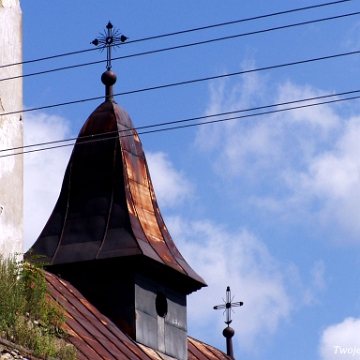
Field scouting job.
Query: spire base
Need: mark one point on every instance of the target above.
(108, 78)
(228, 333)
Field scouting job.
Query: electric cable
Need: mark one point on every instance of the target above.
(188, 125)
(240, 21)
(177, 47)
(187, 82)
(184, 31)
(93, 138)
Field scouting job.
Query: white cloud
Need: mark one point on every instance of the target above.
(333, 177)
(302, 163)
(171, 186)
(253, 145)
(352, 42)
(244, 263)
(317, 284)
(225, 98)
(341, 341)
(44, 171)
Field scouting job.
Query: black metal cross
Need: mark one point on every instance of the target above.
(108, 39)
(228, 305)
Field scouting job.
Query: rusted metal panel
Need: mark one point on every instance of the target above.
(149, 224)
(141, 196)
(84, 352)
(193, 352)
(199, 350)
(166, 235)
(89, 337)
(129, 138)
(97, 337)
(135, 168)
(154, 354)
(90, 326)
(107, 206)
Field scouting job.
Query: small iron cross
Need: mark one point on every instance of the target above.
(109, 39)
(228, 305)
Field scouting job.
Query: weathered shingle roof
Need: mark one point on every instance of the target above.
(97, 337)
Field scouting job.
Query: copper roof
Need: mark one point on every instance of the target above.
(97, 337)
(107, 207)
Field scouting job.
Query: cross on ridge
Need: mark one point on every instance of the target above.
(109, 39)
(228, 304)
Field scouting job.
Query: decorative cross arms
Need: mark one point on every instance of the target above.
(109, 38)
(228, 305)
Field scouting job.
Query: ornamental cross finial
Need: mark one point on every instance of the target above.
(228, 305)
(109, 38)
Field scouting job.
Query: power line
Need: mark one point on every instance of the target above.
(94, 138)
(48, 57)
(187, 82)
(191, 125)
(185, 31)
(177, 47)
(242, 20)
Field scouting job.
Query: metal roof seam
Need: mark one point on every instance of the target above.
(151, 352)
(73, 330)
(154, 201)
(140, 348)
(208, 350)
(90, 309)
(149, 187)
(70, 166)
(111, 202)
(76, 319)
(193, 346)
(97, 337)
(135, 208)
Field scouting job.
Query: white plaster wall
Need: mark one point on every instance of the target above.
(11, 129)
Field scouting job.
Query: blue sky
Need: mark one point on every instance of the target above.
(269, 204)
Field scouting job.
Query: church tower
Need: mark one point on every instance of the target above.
(11, 129)
(107, 237)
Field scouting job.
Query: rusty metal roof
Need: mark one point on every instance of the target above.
(107, 207)
(97, 337)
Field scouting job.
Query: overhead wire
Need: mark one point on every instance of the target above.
(284, 12)
(196, 80)
(187, 82)
(180, 123)
(177, 47)
(240, 21)
(188, 125)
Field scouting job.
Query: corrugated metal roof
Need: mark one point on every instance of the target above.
(96, 337)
